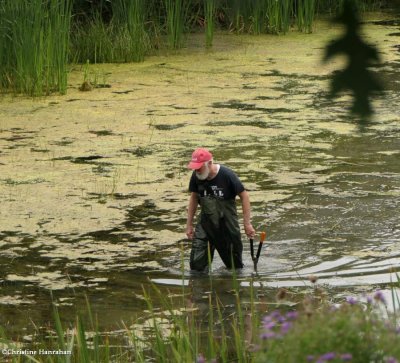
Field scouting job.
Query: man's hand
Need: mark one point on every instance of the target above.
(249, 230)
(189, 231)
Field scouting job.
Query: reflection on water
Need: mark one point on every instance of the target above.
(93, 192)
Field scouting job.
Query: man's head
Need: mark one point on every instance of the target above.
(201, 162)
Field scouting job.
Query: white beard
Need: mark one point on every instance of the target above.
(204, 174)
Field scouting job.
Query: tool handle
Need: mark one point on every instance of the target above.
(262, 238)
(259, 250)
(252, 248)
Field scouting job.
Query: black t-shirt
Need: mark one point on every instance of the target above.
(225, 185)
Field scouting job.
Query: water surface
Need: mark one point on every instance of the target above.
(93, 185)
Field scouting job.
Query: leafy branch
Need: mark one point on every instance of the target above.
(356, 76)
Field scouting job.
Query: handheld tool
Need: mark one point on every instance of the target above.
(255, 259)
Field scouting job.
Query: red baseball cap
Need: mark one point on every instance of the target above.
(199, 157)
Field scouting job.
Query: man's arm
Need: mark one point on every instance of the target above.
(193, 202)
(244, 197)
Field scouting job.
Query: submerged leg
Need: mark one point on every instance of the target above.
(199, 255)
(227, 242)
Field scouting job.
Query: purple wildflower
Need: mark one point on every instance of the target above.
(267, 319)
(292, 315)
(351, 300)
(379, 296)
(276, 325)
(285, 327)
(397, 330)
(310, 358)
(391, 360)
(200, 359)
(369, 300)
(328, 356)
(276, 315)
(345, 357)
(270, 325)
(281, 319)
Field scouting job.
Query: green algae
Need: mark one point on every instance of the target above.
(94, 185)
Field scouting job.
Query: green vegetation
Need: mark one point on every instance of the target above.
(34, 45)
(318, 331)
(305, 15)
(175, 15)
(39, 38)
(352, 332)
(209, 14)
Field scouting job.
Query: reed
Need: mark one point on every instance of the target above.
(238, 16)
(305, 12)
(209, 13)
(132, 15)
(279, 15)
(285, 16)
(336, 6)
(258, 16)
(273, 15)
(176, 11)
(57, 42)
(136, 25)
(96, 41)
(34, 46)
(123, 38)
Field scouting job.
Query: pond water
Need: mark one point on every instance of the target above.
(93, 185)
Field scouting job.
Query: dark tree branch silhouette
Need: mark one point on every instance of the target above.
(356, 76)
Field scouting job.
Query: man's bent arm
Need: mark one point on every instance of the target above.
(193, 202)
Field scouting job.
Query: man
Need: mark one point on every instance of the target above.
(215, 188)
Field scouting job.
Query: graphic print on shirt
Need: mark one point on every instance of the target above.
(211, 190)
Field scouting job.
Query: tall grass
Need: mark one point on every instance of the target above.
(136, 25)
(286, 12)
(209, 14)
(39, 37)
(176, 11)
(238, 15)
(57, 44)
(336, 6)
(34, 45)
(305, 13)
(278, 16)
(133, 13)
(258, 17)
(97, 41)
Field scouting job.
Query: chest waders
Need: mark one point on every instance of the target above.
(219, 227)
